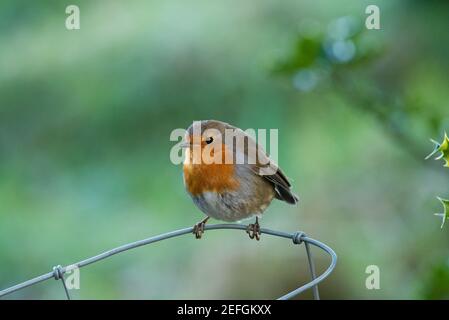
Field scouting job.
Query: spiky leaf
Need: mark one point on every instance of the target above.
(445, 215)
(443, 149)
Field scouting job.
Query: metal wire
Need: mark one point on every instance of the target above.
(59, 275)
(316, 293)
(297, 238)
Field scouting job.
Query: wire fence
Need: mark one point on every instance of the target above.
(297, 237)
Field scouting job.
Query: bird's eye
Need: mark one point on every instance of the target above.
(209, 140)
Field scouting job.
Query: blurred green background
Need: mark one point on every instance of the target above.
(85, 119)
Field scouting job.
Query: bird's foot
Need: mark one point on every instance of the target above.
(198, 229)
(253, 230)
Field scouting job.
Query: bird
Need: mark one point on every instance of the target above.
(240, 183)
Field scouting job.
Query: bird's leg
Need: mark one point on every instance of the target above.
(253, 230)
(198, 229)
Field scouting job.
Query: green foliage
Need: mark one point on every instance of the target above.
(436, 285)
(343, 45)
(353, 63)
(443, 149)
(344, 54)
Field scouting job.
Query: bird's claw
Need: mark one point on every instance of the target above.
(198, 229)
(253, 230)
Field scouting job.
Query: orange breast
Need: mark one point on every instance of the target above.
(215, 177)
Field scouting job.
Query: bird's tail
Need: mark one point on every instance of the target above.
(286, 195)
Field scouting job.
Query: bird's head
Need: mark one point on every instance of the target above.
(205, 142)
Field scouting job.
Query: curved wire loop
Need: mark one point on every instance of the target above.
(297, 238)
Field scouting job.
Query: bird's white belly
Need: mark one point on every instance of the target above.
(227, 207)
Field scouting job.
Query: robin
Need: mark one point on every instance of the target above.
(229, 176)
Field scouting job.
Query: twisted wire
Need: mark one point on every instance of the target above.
(297, 238)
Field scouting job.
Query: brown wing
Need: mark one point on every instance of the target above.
(281, 186)
(263, 166)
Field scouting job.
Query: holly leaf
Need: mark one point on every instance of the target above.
(442, 148)
(445, 214)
